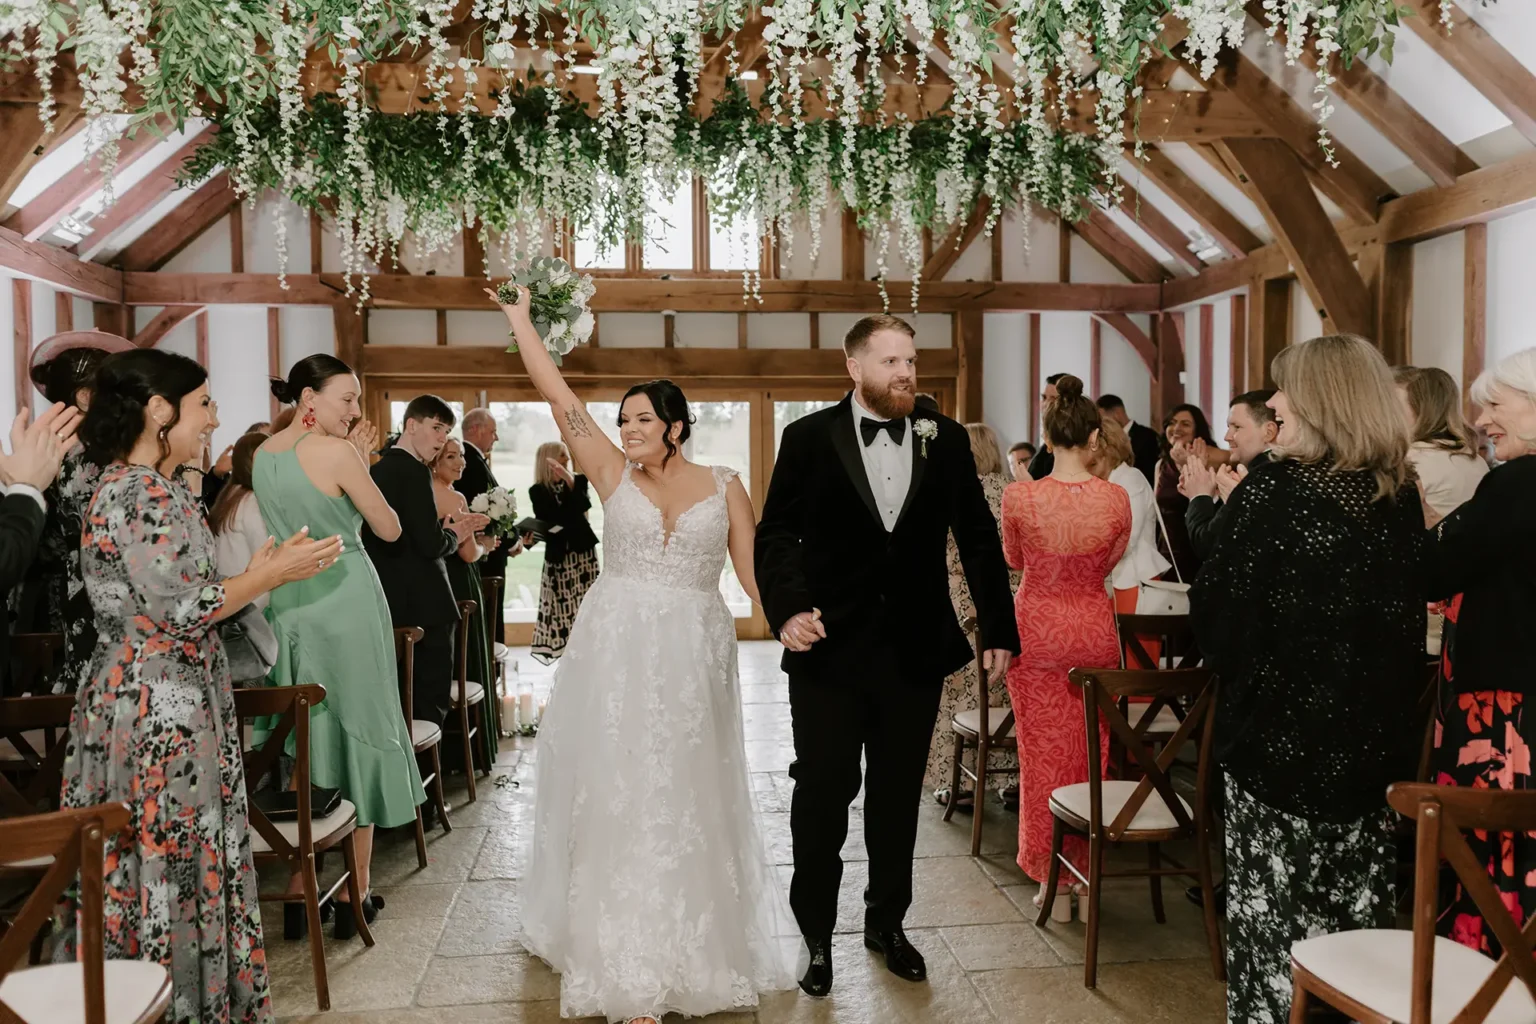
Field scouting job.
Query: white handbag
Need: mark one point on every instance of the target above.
(1163, 597)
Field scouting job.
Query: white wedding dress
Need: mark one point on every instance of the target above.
(648, 887)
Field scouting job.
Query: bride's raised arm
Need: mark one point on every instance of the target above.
(598, 457)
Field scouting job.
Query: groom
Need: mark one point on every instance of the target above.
(851, 566)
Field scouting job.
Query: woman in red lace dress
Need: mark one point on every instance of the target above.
(1066, 531)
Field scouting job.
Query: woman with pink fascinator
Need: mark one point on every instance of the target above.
(52, 598)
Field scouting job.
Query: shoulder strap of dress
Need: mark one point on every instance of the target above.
(723, 477)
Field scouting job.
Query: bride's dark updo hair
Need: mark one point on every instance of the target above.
(671, 407)
(309, 372)
(125, 382)
(1070, 418)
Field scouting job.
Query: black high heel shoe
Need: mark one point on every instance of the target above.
(346, 919)
(296, 920)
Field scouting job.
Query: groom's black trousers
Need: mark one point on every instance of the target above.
(891, 724)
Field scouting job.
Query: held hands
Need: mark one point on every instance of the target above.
(800, 632)
(1227, 479)
(297, 558)
(1197, 478)
(38, 448)
(364, 436)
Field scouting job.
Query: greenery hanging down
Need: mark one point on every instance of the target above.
(502, 141)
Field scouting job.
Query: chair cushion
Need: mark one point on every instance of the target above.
(1154, 815)
(1374, 967)
(500, 652)
(55, 993)
(344, 815)
(970, 721)
(37, 739)
(46, 860)
(476, 692)
(424, 734)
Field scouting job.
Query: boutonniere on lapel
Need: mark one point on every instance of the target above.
(925, 430)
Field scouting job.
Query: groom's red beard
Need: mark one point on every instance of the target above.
(894, 401)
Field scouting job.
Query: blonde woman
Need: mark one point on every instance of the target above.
(1444, 453)
(560, 500)
(959, 692)
(1311, 612)
(1142, 560)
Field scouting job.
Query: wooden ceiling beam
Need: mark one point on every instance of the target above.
(1373, 99)
(748, 44)
(78, 184)
(143, 194)
(1137, 338)
(177, 229)
(1155, 223)
(1492, 70)
(955, 241)
(23, 135)
(1220, 223)
(52, 265)
(164, 322)
(1119, 248)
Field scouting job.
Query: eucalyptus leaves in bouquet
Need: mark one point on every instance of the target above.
(558, 302)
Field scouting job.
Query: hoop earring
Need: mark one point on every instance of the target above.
(308, 419)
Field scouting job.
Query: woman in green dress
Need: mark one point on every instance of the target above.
(335, 629)
(464, 576)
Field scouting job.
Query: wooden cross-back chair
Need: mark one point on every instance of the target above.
(492, 587)
(466, 696)
(33, 658)
(33, 737)
(1148, 811)
(74, 843)
(1379, 976)
(295, 843)
(982, 729)
(426, 737)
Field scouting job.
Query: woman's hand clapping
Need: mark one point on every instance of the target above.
(363, 436)
(297, 558)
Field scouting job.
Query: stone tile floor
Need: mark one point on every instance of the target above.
(447, 949)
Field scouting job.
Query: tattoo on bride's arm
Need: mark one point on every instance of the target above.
(577, 423)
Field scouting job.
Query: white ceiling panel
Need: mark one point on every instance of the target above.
(1222, 190)
(1436, 90)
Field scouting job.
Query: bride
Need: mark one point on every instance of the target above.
(648, 888)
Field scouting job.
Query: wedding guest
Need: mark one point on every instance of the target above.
(235, 518)
(927, 401)
(960, 688)
(1040, 463)
(52, 597)
(1311, 612)
(154, 724)
(1487, 554)
(410, 564)
(1444, 453)
(1066, 532)
(560, 500)
(1186, 434)
(337, 629)
(480, 436)
(218, 472)
(1142, 438)
(1018, 460)
(1251, 431)
(1142, 561)
(464, 576)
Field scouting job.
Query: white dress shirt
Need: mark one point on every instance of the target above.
(888, 465)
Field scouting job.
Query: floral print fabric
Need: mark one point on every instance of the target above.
(1291, 878)
(155, 727)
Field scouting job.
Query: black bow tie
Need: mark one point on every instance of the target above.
(868, 428)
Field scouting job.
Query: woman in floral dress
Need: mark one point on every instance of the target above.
(154, 723)
(959, 692)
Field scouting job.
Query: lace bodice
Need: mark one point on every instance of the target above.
(635, 545)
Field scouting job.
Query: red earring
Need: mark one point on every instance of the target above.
(308, 419)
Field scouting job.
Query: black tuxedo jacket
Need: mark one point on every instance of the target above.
(1146, 448)
(822, 544)
(21, 532)
(411, 569)
(476, 479)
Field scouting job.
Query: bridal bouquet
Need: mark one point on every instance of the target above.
(558, 299)
(501, 506)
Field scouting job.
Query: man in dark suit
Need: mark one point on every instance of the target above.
(411, 568)
(1041, 465)
(36, 452)
(479, 438)
(1144, 443)
(851, 569)
(1251, 430)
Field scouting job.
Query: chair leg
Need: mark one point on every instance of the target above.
(955, 777)
(978, 796)
(1155, 861)
(482, 728)
(316, 940)
(1298, 1002)
(421, 841)
(1208, 903)
(437, 789)
(1091, 939)
(469, 749)
(1053, 875)
(354, 886)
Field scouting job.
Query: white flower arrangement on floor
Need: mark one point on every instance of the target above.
(558, 296)
(500, 505)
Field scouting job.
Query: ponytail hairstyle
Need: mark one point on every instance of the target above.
(125, 382)
(310, 372)
(671, 407)
(1070, 418)
(242, 462)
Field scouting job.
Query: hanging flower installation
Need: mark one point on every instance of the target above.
(514, 115)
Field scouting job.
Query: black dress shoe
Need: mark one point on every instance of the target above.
(346, 920)
(818, 977)
(900, 958)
